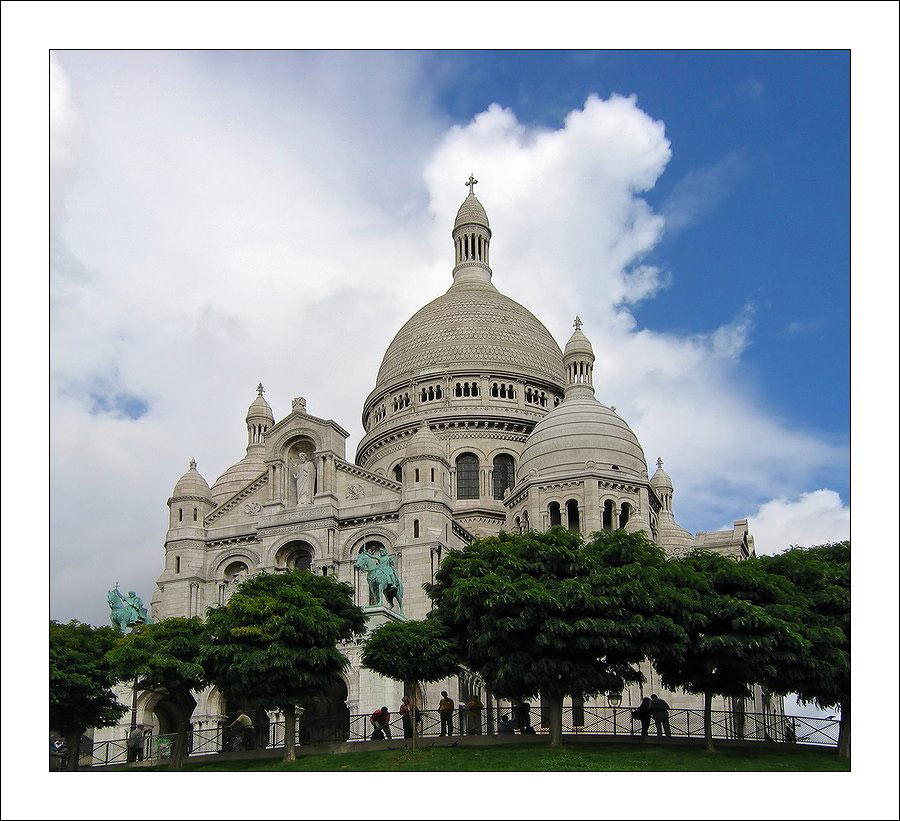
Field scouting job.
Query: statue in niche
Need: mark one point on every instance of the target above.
(305, 477)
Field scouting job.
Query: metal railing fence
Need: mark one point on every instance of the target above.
(606, 721)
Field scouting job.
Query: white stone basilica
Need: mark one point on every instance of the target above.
(478, 422)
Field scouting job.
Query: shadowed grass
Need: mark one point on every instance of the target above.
(540, 757)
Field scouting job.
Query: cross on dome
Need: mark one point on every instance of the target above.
(578, 323)
(472, 182)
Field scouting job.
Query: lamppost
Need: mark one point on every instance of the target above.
(614, 700)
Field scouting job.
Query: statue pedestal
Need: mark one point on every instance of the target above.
(375, 691)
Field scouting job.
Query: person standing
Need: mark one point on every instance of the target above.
(445, 708)
(474, 708)
(643, 714)
(135, 751)
(406, 717)
(660, 712)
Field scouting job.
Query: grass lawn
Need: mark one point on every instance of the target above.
(540, 757)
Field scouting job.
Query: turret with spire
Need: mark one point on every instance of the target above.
(578, 359)
(259, 419)
(471, 240)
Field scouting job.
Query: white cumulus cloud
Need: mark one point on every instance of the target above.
(811, 519)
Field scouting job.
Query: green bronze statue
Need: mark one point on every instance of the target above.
(382, 575)
(126, 611)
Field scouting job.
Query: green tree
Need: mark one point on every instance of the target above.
(546, 613)
(81, 682)
(412, 651)
(165, 658)
(274, 643)
(737, 631)
(820, 601)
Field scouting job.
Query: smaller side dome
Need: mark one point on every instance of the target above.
(424, 444)
(661, 480)
(259, 408)
(192, 484)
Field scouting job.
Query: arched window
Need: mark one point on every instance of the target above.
(504, 474)
(398, 473)
(417, 475)
(608, 514)
(178, 564)
(195, 514)
(525, 525)
(518, 524)
(415, 528)
(625, 514)
(432, 476)
(555, 516)
(180, 514)
(467, 482)
(572, 515)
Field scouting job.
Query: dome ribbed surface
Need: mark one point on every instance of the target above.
(471, 211)
(259, 408)
(578, 344)
(673, 538)
(661, 479)
(424, 443)
(472, 326)
(192, 484)
(578, 431)
(238, 475)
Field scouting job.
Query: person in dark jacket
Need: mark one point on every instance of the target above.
(643, 714)
(660, 711)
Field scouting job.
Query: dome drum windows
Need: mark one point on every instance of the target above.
(555, 514)
(431, 393)
(535, 397)
(379, 414)
(573, 517)
(464, 389)
(401, 402)
(468, 484)
(503, 390)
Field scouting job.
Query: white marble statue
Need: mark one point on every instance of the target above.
(305, 477)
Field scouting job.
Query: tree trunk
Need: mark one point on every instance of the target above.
(707, 721)
(554, 707)
(185, 705)
(290, 733)
(844, 733)
(73, 750)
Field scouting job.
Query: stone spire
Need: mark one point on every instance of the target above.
(578, 359)
(471, 240)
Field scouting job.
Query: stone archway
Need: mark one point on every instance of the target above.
(295, 555)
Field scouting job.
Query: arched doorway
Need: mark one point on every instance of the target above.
(295, 555)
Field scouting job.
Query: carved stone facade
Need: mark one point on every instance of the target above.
(477, 422)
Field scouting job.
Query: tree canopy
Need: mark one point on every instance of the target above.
(739, 632)
(547, 613)
(81, 682)
(819, 597)
(273, 644)
(165, 657)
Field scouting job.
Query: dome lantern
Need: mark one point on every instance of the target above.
(578, 360)
(471, 240)
(259, 419)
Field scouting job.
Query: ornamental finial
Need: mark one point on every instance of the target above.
(193, 464)
(259, 389)
(472, 182)
(578, 323)
(659, 462)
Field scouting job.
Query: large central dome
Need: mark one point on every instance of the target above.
(472, 326)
